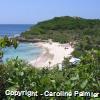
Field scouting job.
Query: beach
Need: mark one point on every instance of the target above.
(53, 54)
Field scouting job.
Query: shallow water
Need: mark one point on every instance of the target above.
(25, 51)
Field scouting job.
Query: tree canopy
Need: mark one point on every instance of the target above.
(63, 29)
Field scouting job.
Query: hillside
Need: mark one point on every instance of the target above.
(64, 29)
(85, 32)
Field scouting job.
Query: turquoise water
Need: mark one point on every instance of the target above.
(25, 51)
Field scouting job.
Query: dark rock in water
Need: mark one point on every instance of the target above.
(22, 39)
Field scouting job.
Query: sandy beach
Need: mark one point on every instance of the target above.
(52, 54)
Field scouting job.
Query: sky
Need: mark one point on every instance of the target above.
(33, 11)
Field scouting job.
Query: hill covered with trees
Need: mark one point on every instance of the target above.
(64, 29)
(85, 32)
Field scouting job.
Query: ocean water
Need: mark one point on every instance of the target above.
(13, 29)
(25, 51)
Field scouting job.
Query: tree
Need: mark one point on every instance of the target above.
(7, 42)
(4, 42)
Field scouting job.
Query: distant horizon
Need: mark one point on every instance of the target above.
(15, 24)
(42, 21)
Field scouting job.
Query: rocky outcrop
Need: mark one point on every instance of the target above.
(22, 39)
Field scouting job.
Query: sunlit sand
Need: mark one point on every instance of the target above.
(53, 54)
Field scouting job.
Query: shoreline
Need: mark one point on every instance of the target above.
(53, 54)
(22, 39)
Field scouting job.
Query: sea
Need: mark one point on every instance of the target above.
(25, 51)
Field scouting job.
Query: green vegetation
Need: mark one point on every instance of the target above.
(84, 32)
(7, 42)
(4, 42)
(64, 29)
(18, 75)
(84, 76)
